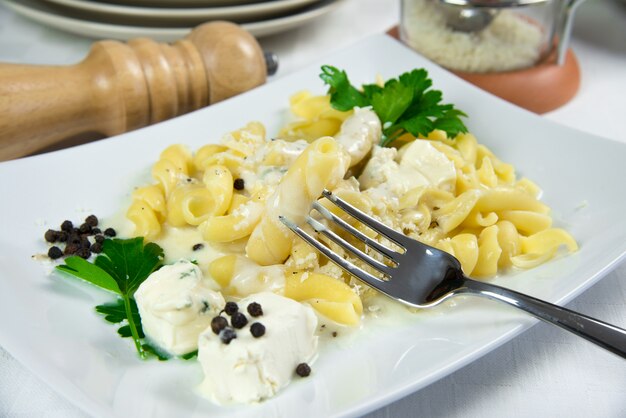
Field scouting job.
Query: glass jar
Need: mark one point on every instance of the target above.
(483, 36)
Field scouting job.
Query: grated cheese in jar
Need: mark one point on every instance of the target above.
(511, 42)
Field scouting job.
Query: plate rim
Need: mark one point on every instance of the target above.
(97, 30)
(222, 12)
(188, 3)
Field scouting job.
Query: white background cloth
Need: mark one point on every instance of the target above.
(545, 372)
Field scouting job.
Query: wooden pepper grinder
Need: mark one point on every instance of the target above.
(119, 87)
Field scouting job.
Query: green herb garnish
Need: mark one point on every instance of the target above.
(157, 352)
(403, 104)
(190, 356)
(123, 265)
(115, 313)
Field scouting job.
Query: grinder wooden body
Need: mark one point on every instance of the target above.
(119, 87)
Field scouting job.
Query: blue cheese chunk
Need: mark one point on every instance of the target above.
(421, 159)
(249, 369)
(390, 174)
(176, 305)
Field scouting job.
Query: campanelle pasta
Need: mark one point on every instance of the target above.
(451, 193)
(321, 165)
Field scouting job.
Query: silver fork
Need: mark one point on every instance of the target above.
(422, 276)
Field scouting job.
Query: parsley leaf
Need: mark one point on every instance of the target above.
(123, 265)
(451, 123)
(343, 95)
(418, 123)
(390, 103)
(83, 269)
(418, 81)
(403, 104)
(156, 352)
(190, 356)
(129, 262)
(115, 312)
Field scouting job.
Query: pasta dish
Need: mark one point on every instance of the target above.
(451, 193)
(213, 274)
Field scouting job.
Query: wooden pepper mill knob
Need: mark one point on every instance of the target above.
(119, 87)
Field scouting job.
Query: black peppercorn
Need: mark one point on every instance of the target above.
(303, 370)
(71, 249)
(51, 235)
(91, 220)
(110, 232)
(84, 241)
(55, 252)
(73, 238)
(255, 309)
(231, 308)
(62, 236)
(218, 323)
(227, 335)
(77, 239)
(198, 246)
(239, 184)
(257, 329)
(84, 253)
(85, 228)
(238, 320)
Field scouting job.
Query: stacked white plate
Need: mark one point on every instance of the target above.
(167, 20)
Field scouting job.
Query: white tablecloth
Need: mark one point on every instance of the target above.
(545, 372)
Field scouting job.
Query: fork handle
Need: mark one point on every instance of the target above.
(605, 335)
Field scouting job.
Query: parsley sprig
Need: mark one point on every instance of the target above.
(403, 104)
(123, 265)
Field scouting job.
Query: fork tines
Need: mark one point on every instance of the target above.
(375, 225)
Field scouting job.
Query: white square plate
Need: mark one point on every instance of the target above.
(50, 326)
